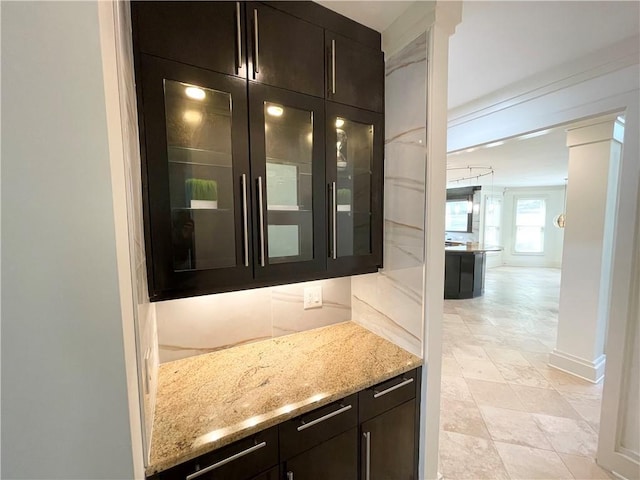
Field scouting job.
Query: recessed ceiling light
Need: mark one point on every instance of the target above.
(195, 93)
(494, 144)
(275, 110)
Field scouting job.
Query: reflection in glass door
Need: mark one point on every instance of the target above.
(199, 152)
(289, 186)
(352, 191)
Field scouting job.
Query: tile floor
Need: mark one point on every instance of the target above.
(504, 413)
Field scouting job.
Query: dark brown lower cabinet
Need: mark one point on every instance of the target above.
(336, 458)
(388, 445)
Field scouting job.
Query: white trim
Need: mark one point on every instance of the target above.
(107, 22)
(592, 371)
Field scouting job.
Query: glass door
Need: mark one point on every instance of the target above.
(354, 172)
(287, 165)
(197, 164)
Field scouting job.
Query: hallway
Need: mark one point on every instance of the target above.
(504, 413)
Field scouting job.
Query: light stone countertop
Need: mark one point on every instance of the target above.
(208, 401)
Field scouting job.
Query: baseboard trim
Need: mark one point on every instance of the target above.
(592, 371)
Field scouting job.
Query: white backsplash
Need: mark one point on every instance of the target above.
(192, 326)
(390, 303)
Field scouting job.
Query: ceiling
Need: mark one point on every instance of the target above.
(499, 43)
(519, 162)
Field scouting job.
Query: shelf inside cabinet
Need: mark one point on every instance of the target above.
(197, 156)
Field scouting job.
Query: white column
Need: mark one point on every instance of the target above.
(594, 156)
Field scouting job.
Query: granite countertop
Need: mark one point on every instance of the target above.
(211, 400)
(472, 248)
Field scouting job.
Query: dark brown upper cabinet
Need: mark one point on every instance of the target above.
(285, 51)
(208, 35)
(354, 180)
(251, 177)
(288, 175)
(355, 73)
(195, 179)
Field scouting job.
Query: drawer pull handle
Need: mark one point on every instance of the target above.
(325, 417)
(367, 463)
(377, 394)
(289, 475)
(227, 460)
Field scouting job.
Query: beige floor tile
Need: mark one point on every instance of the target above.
(462, 417)
(465, 351)
(450, 366)
(528, 463)
(483, 329)
(544, 400)
(523, 375)
(584, 468)
(507, 356)
(463, 457)
(567, 435)
(453, 318)
(565, 382)
(455, 388)
(480, 369)
(493, 394)
(587, 405)
(510, 426)
(538, 360)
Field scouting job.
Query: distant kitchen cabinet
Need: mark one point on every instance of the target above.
(248, 181)
(464, 274)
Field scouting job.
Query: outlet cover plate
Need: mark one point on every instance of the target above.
(312, 297)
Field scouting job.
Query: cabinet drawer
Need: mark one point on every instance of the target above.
(386, 395)
(243, 460)
(308, 430)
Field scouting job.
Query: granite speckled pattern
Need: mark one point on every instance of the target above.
(208, 401)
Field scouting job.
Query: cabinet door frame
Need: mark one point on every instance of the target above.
(199, 48)
(294, 36)
(294, 271)
(358, 263)
(363, 84)
(164, 282)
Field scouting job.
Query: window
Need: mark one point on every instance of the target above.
(530, 220)
(458, 216)
(492, 214)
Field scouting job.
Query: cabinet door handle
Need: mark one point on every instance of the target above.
(245, 221)
(323, 418)
(406, 381)
(289, 475)
(226, 460)
(261, 219)
(333, 66)
(334, 233)
(256, 67)
(367, 455)
(238, 38)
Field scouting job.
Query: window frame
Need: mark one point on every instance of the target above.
(514, 228)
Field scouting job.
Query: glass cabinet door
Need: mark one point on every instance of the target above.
(197, 165)
(287, 146)
(354, 156)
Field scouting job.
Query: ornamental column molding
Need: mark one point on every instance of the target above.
(595, 148)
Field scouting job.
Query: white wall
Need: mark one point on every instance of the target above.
(65, 407)
(553, 237)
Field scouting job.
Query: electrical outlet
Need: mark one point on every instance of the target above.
(312, 297)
